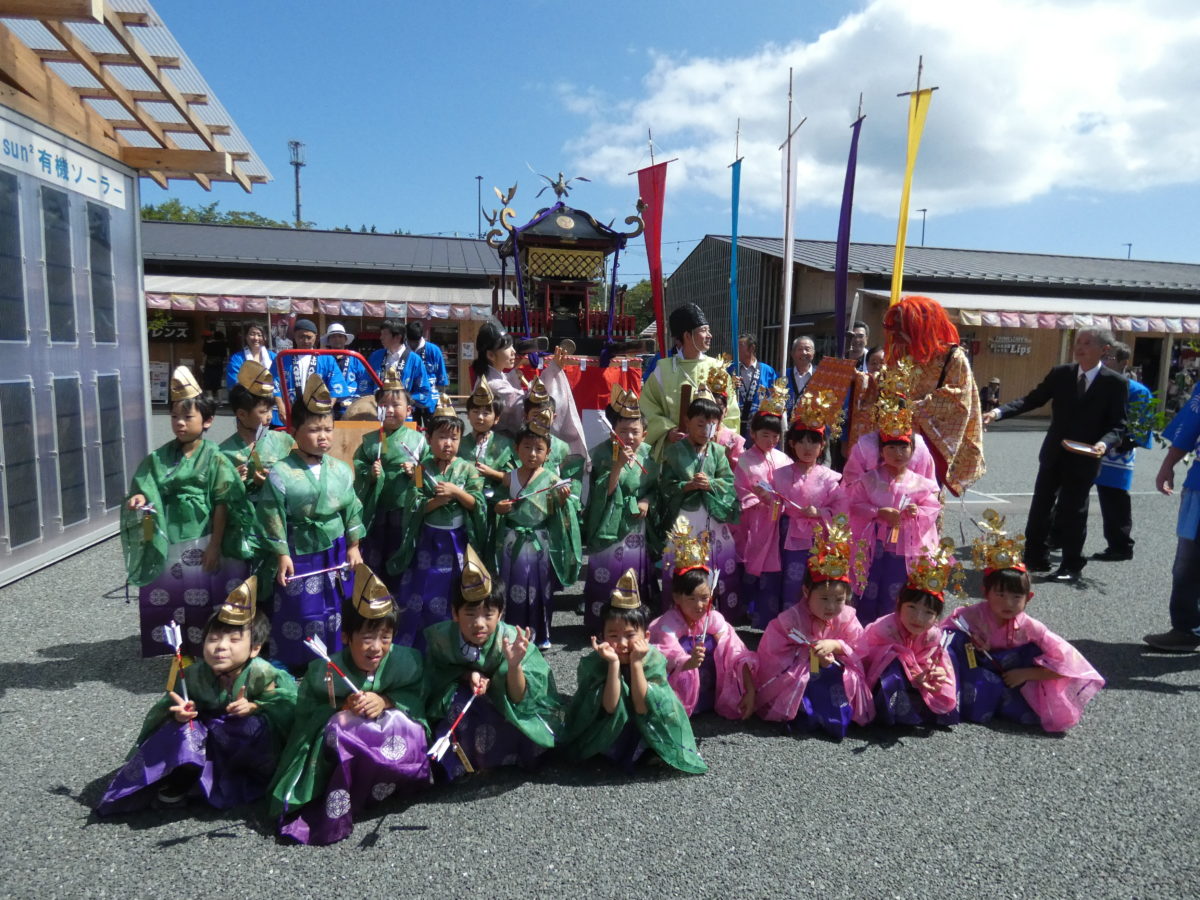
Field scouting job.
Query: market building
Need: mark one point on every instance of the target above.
(1016, 312)
(94, 95)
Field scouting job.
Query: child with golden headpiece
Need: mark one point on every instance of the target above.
(624, 483)
(447, 513)
(254, 448)
(174, 522)
(811, 492)
(624, 704)
(756, 479)
(490, 451)
(384, 476)
(221, 743)
(1009, 664)
(893, 510)
(561, 458)
(360, 733)
(489, 688)
(709, 667)
(537, 540)
(909, 670)
(809, 672)
(697, 483)
(720, 383)
(311, 519)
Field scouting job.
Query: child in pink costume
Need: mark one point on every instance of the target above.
(708, 666)
(808, 670)
(734, 443)
(756, 536)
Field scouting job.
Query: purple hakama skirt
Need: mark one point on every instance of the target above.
(982, 693)
(763, 596)
(727, 599)
(233, 757)
(431, 581)
(528, 581)
(373, 758)
(628, 748)
(487, 738)
(384, 539)
(825, 705)
(795, 564)
(310, 606)
(606, 566)
(888, 574)
(897, 702)
(706, 700)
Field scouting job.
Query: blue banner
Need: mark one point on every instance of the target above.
(733, 273)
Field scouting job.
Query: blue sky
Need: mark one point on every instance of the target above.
(1060, 126)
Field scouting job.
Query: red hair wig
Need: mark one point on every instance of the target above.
(930, 331)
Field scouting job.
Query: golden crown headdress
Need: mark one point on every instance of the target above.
(995, 550)
(184, 385)
(893, 418)
(476, 584)
(816, 411)
(540, 420)
(625, 403)
(625, 595)
(482, 395)
(537, 394)
(718, 379)
(938, 571)
(371, 599)
(445, 407)
(834, 553)
(257, 379)
(690, 553)
(316, 397)
(240, 605)
(773, 400)
(390, 379)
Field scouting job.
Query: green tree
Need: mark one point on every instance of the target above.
(639, 304)
(173, 210)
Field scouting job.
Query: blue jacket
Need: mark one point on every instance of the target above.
(435, 365)
(326, 367)
(414, 377)
(1116, 468)
(748, 398)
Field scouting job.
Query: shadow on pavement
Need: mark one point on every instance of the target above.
(64, 666)
(1137, 667)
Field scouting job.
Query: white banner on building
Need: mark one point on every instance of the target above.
(29, 152)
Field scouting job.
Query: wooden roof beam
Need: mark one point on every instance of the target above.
(135, 49)
(157, 177)
(109, 59)
(103, 93)
(56, 10)
(176, 127)
(192, 162)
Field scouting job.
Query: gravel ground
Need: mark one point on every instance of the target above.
(1108, 810)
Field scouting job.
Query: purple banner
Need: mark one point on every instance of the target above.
(842, 259)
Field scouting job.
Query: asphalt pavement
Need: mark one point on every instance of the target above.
(1107, 810)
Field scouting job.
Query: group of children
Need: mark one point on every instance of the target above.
(412, 595)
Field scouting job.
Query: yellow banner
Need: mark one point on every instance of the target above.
(918, 106)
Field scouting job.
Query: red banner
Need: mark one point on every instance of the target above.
(652, 187)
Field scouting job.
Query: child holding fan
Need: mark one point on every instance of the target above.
(710, 668)
(809, 672)
(624, 480)
(1009, 664)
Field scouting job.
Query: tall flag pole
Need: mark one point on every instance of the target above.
(652, 189)
(918, 106)
(789, 251)
(736, 166)
(841, 266)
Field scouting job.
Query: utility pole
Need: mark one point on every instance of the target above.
(296, 149)
(922, 212)
(479, 206)
(1128, 250)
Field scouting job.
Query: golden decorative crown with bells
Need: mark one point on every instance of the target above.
(476, 583)
(773, 400)
(816, 411)
(537, 394)
(938, 571)
(540, 420)
(893, 418)
(482, 395)
(239, 607)
(316, 397)
(184, 385)
(718, 379)
(690, 553)
(371, 598)
(624, 403)
(995, 550)
(834, 554)
(626, 595)
(390, 379)
(257, 379)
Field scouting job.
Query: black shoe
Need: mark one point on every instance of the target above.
(1174, 641)
(1111, 555)
(1037, 564)
(1063, 575)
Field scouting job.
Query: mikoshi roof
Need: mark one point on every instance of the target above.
(122, 61)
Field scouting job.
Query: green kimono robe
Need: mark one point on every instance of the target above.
(242, 530)
(304, 766)
(665, 726)
(539, 714)
(660, 396)
(680, 462)
(568, 466)
(461, 473)
(543, 510)
(300, 513)
(184, 490)
(394, 489)
(498, 453)
(609, 518)
(274, 690)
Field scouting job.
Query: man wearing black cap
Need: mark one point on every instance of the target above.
(660, 394)
(296, 369)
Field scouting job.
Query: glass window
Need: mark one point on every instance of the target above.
(100, 261)
(60, 280)
(12, 280)
(112, 439)
(72, 467)
(20, 463)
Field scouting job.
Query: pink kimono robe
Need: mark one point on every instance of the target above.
(756, 536)
(783, 664)
(818, 487)
(1059, 702)
(733, 443)
(873, 491)
(886, 640)
(864, 456)
(730, 656)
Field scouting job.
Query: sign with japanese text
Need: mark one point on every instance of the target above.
(172, 331)
(29, 152)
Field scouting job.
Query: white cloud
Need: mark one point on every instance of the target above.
(1033, 95)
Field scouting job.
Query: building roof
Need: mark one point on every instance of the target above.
(241, 246)
(990, 265)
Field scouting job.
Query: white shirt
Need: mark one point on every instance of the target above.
(1091, 374)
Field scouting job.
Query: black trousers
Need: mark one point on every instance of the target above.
(1117, 512)
(1061, 493)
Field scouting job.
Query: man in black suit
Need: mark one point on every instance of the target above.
(1087, 404)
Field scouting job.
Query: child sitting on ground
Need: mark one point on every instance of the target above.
(222, 743)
